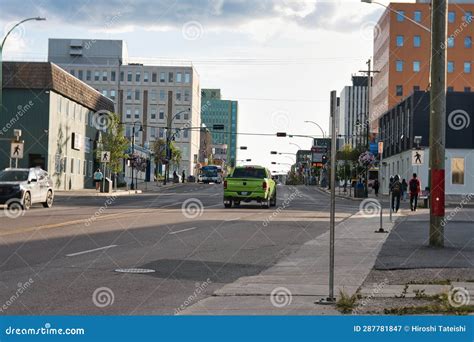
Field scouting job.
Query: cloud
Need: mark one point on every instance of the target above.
(95, 14)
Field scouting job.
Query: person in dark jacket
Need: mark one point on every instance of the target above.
(415, 189)
(396, 190)
(404, 189)
(376, 187)
(183, 176)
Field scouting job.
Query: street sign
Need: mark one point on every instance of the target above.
(105, 157)
(417, 157)
(16, 151)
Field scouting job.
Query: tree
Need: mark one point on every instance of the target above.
(176, 155)
(159, 148)
(114, 140)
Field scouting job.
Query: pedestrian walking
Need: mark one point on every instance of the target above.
(376, 187)
(404, 189)
(98, 177)
(396, 190)
(415, 189)
(183, 176)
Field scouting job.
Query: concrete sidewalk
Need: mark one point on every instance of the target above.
(293, 285)
(142, 188)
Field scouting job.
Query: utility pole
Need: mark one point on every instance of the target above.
(438, 120)
(369, 73)
(169, 122)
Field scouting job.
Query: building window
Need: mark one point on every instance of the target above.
(153, 95)
(96, 75)
(112, 94)
(451, 17)
(467, 89)
(187, 77)
(104, 75)
(185, 134)
(450, 41)
(416, 66)
(72, 72)
(153, 77)
(137, 77)
(121, 76)
(112, 76)
(416, 41)
(162, 95)
(162, 77)
(186, 116)
(467, 42)
(187, 95)
(72, 165)
(161, 114)
(417, 16)
(400, 16)
(450, 89)
(128, 114)
(145, 76)
(88, 75)
(450, 67)
(129, 94)
(137, 114)
(161, 132)
(104, 92)
(399, 41)
(399, 66)
(170, 77)
(416, 88)
(137, 94)
(153, 114)
(178, 95)
(399, 90)
(129, 76)
(177, 116)
(468, 16)
(457, 171)
(467, 67)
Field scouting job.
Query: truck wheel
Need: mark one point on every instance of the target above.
(228, 205)
(266, 204)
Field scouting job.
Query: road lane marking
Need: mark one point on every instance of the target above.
(182, 230)
(233, 219)
(91, 250)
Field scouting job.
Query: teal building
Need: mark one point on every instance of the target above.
(216, 111)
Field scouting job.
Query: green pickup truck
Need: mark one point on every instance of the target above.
(250, 183)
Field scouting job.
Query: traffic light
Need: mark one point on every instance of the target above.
(273, 152)
(218, 127)
(281, 134)
(324, 159)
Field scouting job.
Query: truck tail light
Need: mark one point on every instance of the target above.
(225, 184)
(264, 185)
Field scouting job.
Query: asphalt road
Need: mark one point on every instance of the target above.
(65, 259)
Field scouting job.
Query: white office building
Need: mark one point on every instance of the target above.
(150, 97)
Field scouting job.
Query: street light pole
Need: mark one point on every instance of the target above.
(1, 51)
(315, 123)
(438, 120)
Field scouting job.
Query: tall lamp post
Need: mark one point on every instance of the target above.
(169, 137)
(1, 51)
(315, 123)
(132, 185)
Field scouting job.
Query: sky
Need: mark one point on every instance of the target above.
(279, 58)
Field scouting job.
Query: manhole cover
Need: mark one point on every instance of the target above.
(134, 270)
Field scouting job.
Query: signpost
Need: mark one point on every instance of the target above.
(16, 151)
(104, 159)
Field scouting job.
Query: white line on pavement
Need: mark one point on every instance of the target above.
(182, 230)
(90, 250)
(233, 219)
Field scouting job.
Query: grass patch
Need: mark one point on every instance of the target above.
(440, 305)
(346, 303)
(431, 282)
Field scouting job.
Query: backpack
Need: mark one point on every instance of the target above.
(414, 185)
(396, 187)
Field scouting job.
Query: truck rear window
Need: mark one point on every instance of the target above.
(249, 172)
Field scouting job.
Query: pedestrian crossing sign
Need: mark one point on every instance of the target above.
(105, 157)
(16, 151)
(417, 157)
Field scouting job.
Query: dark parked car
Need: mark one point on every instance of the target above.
(26, 187)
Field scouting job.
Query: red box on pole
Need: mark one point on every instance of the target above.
(437, 192)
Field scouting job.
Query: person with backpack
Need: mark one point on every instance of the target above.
(415, 189)
(396, 190)
(376, 187)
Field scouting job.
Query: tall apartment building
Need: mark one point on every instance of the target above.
(351, 116)
(214, 111)
(402, 53)
(146, 96)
